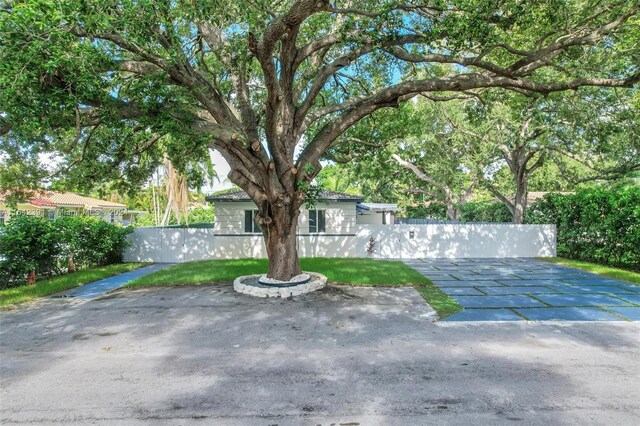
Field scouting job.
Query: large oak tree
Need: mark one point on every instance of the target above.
(275, 85)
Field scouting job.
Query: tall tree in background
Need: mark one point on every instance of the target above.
(438, 156)
(104, 80)
(588, 136)
(594, 133)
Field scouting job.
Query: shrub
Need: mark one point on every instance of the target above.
(484, 211)
(596, 225)
(197, 215)
(432, 211)
(29, 243)
(107, 242)
(87, 240)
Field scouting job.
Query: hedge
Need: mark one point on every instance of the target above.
(32, 243)
(484, 211)
(597, 225)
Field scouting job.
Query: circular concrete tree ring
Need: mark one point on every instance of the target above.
(294, 281)
(250, 284)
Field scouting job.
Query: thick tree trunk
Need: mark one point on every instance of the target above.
(518, 165)
(520, 200)
(279, 225)
(452, 212)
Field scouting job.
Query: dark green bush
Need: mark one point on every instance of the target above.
(596, 225)
(30, 243)
(107, 242)
(27, 244)
(484, 211)
(432, 211)
(90, 241)
(198, 215)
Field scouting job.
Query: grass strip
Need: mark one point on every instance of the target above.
(594, 268)
(350, 271)
(46, 287)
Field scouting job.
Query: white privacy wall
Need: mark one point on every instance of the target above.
(241, 246)
(457, 240)
(391, 242)
(171, 245)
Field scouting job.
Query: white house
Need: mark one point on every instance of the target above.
(326, 230)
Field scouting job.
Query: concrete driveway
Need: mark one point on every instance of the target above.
(518, 289)
(206, 355)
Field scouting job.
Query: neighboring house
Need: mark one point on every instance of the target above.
(376, 213)
(52, 204)
(533, 196)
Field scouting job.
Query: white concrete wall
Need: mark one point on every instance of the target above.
(457, 240)
(392, 241)
(187, 244)
(169, 245)
(241, 246)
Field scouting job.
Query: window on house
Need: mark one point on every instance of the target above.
(112, 217)
(50, 214)
(250, 225)
(2, 218)
(316, 221)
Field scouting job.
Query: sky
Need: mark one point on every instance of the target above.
(222, 168)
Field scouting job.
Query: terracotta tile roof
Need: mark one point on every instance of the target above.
(324, 196)
(41, 202)
(64, 199)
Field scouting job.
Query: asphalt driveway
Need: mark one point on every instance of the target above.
(518, 289)
(206, 355)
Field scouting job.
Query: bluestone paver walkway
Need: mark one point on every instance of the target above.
(529, 289)
(100, 287)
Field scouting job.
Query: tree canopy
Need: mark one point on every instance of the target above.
(274, 86)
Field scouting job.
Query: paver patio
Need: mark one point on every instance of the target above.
(519, 289)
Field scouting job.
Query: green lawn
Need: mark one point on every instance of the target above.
(360, 272)
(11, 296)
(607, 271)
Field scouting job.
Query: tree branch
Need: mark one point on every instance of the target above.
(419, 173)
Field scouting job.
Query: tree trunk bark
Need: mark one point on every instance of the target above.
(520, 200)
(452, 212)
(279, 225)
(71, 267)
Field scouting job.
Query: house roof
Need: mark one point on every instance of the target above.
(41, 202)
(331, 196)
(64, 199)
(536, 195)
(378, 207)
(75, 200)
